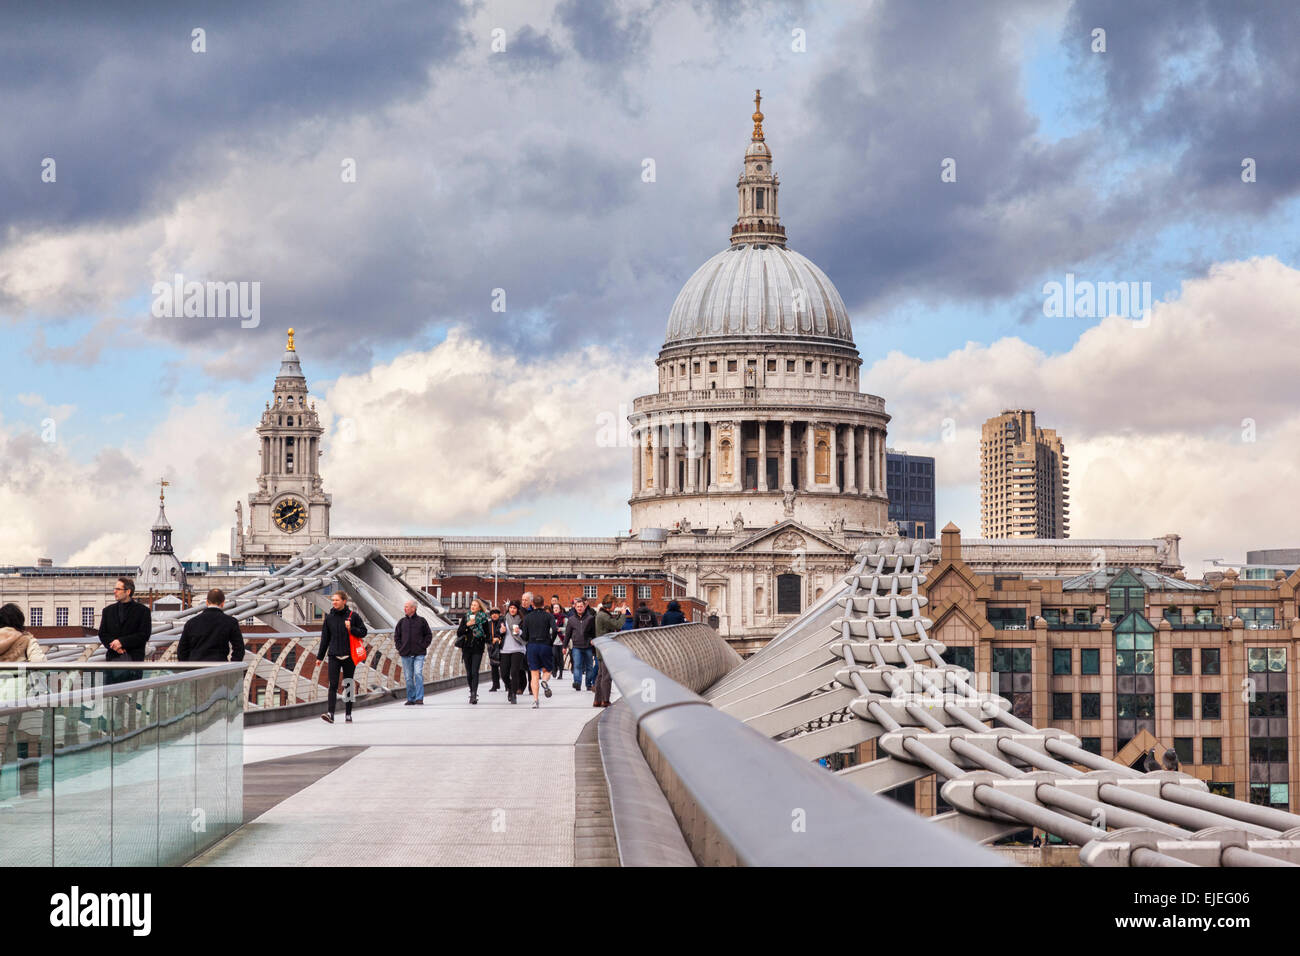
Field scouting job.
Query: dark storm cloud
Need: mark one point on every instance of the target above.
(1206, 83)
(115, 95)
(1224, 76)
(600, 33)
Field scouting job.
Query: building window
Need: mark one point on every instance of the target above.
(789, 365)
(713, 365)
(1091, 744)
(961, 655)
(771, 365)
(731, 365)
(1220, 789)
(643, 592)
(1090, 706)
(789, 593)
(1211, 708)
(589, 592)
(1126, 594)
(1209, 660)
(87, 617)
(1007, 618)
(1014, 669)
(1082, 616)
(1052, 615)
(1062, 706)
(36, 616)
(1183, 748)
(1255, 617)
(60, 617)
(620, 591)
(1182, 660)
(1134, 677)
(1061, 660)
(1212, 750)
(1090, 660)
(1182, 706)
(807, 367)
(695, 367)
(825, 367)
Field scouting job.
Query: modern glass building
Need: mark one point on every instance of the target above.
(909, 482)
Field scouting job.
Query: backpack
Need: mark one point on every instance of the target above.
(645, 617)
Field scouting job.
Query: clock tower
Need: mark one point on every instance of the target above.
(289, 510)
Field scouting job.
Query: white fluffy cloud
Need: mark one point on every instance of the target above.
(461, 435)
(1188, 425)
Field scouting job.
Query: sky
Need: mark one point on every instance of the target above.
(387, 173)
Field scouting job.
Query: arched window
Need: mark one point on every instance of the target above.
(289, 420)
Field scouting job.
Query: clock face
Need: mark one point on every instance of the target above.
(290, 515)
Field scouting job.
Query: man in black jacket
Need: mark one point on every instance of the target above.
(124, 630)
(336, 649)
(579, 632)
(412, 636)
(211, 635)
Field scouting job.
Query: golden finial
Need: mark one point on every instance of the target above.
(758, 117)
(162, 483)
(290, 346)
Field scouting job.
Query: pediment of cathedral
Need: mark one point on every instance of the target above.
(789, 537)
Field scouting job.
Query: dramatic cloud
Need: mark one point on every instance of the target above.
(461, 435)
(1187, 424)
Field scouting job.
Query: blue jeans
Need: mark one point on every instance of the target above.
(584, 665)
(413, 674)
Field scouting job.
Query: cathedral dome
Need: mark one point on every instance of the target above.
(758, 289)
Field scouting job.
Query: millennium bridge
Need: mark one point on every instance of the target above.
(704, 759)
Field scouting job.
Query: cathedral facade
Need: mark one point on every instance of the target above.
(758, 466)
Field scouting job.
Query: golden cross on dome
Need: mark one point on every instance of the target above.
(162, 483)
(758, 117)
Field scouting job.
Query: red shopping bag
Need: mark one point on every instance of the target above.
(358, 646)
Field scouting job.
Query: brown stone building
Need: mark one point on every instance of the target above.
(1131, 660)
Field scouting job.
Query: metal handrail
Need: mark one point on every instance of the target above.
(764, 804)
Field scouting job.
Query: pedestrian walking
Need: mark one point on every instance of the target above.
(557, 646)
(336, 631)
(579, 632)
(124, 629)
(212, 634)
(471, 637)
(412, 636)
(496, 636)
(673, 615)
(604, 685)
(17, 644)
(513, 652)
(645, 616)
(539, 632)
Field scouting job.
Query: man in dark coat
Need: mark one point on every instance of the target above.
(412, 637)
(673, 615)
(211, 635)
(645, 617)
(579, 632)
(336, 650)
(124, 630)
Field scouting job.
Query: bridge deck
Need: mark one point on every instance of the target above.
(443, 784)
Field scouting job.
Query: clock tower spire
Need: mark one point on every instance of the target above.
(290, 509)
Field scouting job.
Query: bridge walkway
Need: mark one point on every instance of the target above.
(443, 784)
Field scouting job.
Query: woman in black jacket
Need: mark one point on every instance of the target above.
(496, 635)
(471, 638)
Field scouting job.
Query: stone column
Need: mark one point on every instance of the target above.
(692, 454)
(833, 464)
(850, 464)
(762, 454)
(870, 455)
(785, 457)
(810, 458)
(638, 482)
(880, 460)
(655, 483)
(713, 456)
(737, 455)
(670, 483)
